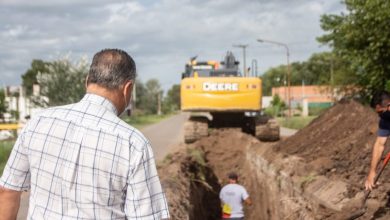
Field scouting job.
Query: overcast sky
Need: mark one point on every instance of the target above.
(160, 35)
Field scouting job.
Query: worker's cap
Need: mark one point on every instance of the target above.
(233, 176)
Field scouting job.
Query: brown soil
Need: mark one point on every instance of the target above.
(192, 178)
(190, 185)
(336, 145)
(225, 151)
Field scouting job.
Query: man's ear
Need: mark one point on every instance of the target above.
(128, 87)
(379, 108)
(86, 82)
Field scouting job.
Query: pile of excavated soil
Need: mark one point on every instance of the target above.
(338, 145)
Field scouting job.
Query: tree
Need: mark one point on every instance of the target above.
(362, 36)
(29, 78)
(3, 104)
(172, 100)
(277, 106)
(148, 96)
(274, 77)
(63, 83)
(320, 69)
(154, 96)
(140, 93)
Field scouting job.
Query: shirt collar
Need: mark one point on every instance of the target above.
(100, 100)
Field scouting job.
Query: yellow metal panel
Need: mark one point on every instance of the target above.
(9, 126)
(221, 94)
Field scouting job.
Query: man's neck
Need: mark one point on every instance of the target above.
(113, 95)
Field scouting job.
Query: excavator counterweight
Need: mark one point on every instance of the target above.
(218, 96)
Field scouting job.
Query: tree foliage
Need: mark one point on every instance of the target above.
(320, 69)
(139, 96)
(62, 83)
(171, 102)
(277, 106)
(3, 104)
(148, 95)
(362, 36)
(29, 78)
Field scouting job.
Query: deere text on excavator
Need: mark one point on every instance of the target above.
(218, 95)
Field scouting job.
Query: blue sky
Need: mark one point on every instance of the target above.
(160, 35)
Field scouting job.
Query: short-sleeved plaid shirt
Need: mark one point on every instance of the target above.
(83, 162)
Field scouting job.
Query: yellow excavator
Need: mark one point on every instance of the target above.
(217, 95)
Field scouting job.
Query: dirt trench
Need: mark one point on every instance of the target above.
(193, 177)
(190, 185)
(315, 174)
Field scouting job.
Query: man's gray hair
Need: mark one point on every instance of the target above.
(111, 68)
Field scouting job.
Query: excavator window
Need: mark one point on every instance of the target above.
(201, 73)
(225, 73)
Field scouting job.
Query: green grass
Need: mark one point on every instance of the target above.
(5, 151)
(296, 122)
(140, 121)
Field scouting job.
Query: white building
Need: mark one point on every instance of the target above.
(18, 102)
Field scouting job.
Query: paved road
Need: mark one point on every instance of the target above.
(164, 136)
(286, 132)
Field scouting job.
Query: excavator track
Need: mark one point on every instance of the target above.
(195, 128)
(263, 127)
(267, 129)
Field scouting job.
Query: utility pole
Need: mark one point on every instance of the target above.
(243, 46)
(159, 103)
(254, 67)
(331, 77)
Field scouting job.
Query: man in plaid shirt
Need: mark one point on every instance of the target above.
(81, 161)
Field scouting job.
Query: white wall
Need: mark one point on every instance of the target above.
(266, 101)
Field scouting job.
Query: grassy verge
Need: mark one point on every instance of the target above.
(140, 121)
(5, 151)
(295, 122)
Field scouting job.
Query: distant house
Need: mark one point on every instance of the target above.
(306, 96)
(20, 106)
(266, 101)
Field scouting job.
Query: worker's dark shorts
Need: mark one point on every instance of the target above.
(383, 132)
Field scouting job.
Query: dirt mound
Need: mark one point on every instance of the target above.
(338, 145)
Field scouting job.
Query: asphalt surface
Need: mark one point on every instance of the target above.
(285, 132)
(166, 135)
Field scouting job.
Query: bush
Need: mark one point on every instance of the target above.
(276, 108)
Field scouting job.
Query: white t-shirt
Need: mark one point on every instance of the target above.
(234, 195)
